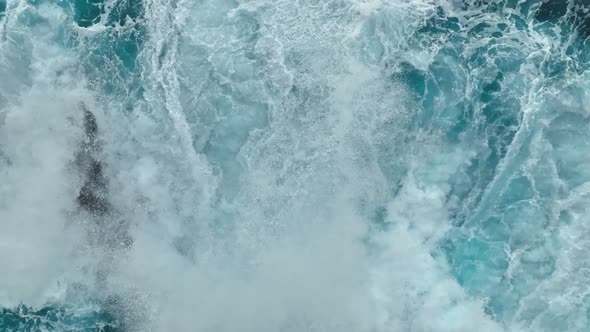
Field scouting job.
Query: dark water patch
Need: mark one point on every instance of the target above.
(109, 56)
(125, 11)
(572, 17)
(551, 10)
(2, 8)
(87, 12)
(93, 197)
(56, 319)
(111, 60)
(439, 23)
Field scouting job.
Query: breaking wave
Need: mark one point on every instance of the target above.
(294, 165)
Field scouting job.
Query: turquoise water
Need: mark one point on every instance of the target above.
(337, 165)
(51, 318)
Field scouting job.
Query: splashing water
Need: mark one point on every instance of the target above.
(294, 165)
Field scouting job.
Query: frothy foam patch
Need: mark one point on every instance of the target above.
(38, 139)
(37, 196)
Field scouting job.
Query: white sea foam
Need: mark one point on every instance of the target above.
(272, 171)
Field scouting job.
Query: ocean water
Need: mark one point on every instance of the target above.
(294, 165)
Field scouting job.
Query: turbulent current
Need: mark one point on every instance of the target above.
(294, 165)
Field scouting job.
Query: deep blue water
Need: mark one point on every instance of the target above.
(338, 165)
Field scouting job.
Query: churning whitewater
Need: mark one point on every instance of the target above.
(294, 165)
